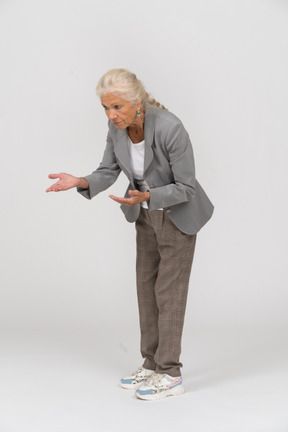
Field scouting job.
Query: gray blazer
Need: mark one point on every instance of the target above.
(168, 170)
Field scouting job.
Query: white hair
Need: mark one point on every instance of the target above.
(126, 85)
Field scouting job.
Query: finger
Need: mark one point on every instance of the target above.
(118, 199)
(125, 201)
(54, 176)
(55, 187)
(134, 192)
(52, 190)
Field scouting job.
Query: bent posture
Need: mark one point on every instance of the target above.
(151, 146)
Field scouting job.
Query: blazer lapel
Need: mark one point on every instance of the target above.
(148, 136)
(121, 149)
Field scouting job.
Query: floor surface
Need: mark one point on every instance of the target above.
(59, 383)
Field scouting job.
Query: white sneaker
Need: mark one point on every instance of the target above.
(159, 386)
(136, 378)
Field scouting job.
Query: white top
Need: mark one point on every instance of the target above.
(137, 153)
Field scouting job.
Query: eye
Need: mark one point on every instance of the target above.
(117, 107)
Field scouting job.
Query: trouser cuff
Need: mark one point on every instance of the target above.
(149, 364)
(174, 372)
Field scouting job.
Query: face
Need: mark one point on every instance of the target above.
(119, 111)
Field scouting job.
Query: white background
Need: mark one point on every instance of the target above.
(68, 264)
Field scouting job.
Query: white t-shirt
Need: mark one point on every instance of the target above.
(137, 153)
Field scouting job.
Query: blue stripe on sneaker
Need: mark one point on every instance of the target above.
(177, 383)
(144, 392)
(126, 381)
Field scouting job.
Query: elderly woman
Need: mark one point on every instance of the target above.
(169, 207)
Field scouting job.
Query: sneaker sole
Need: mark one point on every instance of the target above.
(176, 391)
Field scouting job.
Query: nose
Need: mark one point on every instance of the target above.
(112, 114)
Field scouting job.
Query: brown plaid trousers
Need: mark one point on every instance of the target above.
(163, 266)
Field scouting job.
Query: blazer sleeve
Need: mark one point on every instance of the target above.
(105, 175)
(181, 160)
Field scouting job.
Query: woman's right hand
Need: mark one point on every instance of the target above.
(65, 182)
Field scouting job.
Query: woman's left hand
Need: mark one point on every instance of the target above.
(136, 197)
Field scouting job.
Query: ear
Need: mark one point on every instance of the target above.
(138, 106)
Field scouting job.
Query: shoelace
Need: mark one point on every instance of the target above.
(154, 379)
(138, 371)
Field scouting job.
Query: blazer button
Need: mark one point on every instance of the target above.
(168, 211)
